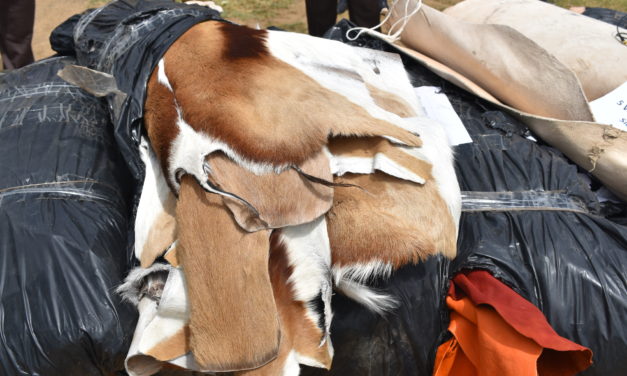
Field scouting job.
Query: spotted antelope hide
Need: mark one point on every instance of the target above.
(279, 167)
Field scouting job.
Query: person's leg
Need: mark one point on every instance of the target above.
(17, 18)
(320, 16)
(364, 13)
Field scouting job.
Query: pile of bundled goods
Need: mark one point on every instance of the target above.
(441, 199)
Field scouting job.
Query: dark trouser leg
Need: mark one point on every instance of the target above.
(320, 16)
(364, 13)
(17, 18)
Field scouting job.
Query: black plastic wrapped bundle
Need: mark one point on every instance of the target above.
(64, 207)
(127, 38)
(530, 219)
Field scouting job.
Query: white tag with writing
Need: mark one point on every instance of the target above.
(612, 108)
(439, 108)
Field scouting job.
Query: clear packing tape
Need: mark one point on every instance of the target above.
(473, 201)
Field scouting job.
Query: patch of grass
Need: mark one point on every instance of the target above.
(96, 3)
(620, 5)
(297, 27)
(257, 10)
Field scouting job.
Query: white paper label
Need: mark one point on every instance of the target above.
(439, 108)
(612, 108)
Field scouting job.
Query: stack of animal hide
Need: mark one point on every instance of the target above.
(279, 167)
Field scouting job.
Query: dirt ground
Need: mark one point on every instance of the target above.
(291, 15)
(50, 13)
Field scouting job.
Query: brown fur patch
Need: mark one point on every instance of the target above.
(299, 333)
(160, 118)
(243, 42)
(161, 235)
(393, 221)
(264, 108)
(391, 102)
(233, 322)
(369, 146)
(173, 347)
(285, 199)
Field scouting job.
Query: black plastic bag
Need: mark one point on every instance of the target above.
(64, 209)
(126, 38)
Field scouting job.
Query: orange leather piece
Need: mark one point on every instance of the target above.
(490, 338)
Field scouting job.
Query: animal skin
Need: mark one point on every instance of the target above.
(233, 322)
(301, 337)
(186, 122)
(155, 224)
(401, 222)
(284, 199)
(248, 127)
(367, 154)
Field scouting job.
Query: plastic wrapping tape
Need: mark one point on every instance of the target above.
(473, 201)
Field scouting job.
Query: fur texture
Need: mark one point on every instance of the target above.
(367, 155)
(388, 214)
(285, 199)
(233, 324)
(155, 225)
(144, 282)
(186, 122)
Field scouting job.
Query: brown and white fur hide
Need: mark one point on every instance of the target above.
(300, 274)
(245, 125)
(391, 220)
(228, 88)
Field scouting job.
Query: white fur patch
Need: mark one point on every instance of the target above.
(190, 148)
(174, 299)
(172, 314)
(309, 255)
(375, 301)
(341, 165)
(154, 194)
(351, 281)
(362, 273)
(161, 76)
(141, 366)
(157, 323)
(291, 367)
(337, 67)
